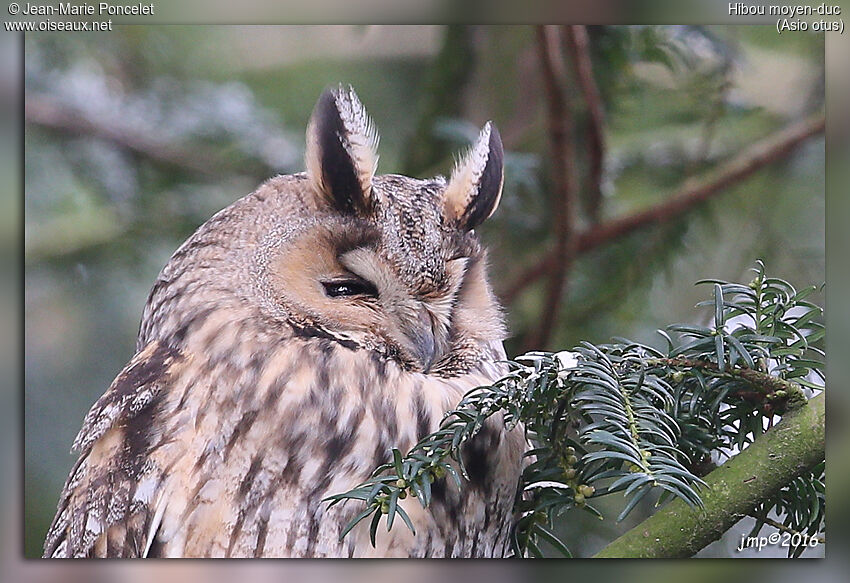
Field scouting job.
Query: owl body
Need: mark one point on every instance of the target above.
(287, 346)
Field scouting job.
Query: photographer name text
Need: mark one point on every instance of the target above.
(99, 9)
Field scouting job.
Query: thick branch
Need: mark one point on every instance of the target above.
(563, 177)
(47, 113)
(579, 47)
(766, 385)
(792, 447)
(690, 195)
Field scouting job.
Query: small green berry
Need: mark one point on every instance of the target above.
(570, 474)
(571, 460)
(586, 491)
(570, 450)
(401, 483)
(678, 376)
(579, 499)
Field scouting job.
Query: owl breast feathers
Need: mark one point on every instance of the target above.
(287, 346)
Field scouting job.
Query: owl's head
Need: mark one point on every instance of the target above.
(384, 263)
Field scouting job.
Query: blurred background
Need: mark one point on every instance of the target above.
(638, 160)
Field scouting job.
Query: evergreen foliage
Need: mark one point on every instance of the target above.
(632, 419)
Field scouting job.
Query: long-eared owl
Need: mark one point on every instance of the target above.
(286, 347)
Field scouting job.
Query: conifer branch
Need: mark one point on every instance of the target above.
(794, 446)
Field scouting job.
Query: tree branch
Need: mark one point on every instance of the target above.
(690, 195)
(788, 394)
(579, 47)
(50, 114)
(792, 447)
(564, 178)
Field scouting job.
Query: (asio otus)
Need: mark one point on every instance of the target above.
(285, 348)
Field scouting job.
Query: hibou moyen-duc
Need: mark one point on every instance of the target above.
(286, 347)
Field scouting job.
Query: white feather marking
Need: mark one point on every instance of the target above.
(94, 524)
(96, 423)
(146, 488)
(157, 520)
(466, 175)
(62, 550)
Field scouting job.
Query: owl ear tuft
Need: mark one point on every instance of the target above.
(475, 187)
(342, 150)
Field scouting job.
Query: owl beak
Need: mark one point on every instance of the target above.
(423, 343)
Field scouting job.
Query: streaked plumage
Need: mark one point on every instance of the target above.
(286, 347)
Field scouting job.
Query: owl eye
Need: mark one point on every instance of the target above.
(349, 287)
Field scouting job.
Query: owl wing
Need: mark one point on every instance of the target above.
(108, 505)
